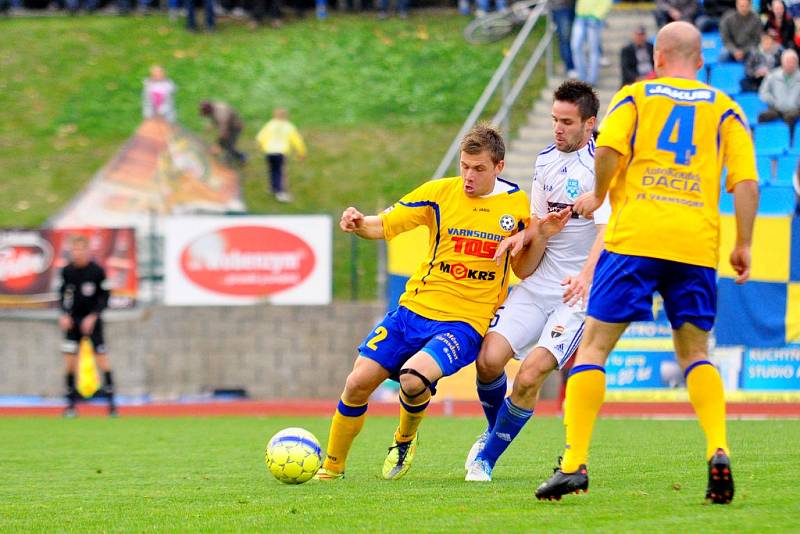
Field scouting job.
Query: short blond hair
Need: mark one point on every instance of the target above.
(484, 136)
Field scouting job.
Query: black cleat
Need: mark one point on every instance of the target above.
(562, 483)
(70, 412)
(720, 479)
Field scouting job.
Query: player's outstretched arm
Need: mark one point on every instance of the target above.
(745, 203)
(577, 287)
(355, 222)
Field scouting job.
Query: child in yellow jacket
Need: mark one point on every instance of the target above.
(278, 139)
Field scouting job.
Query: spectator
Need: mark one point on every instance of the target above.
(780, 21)
(740, 31)
(780, 90)
(713, 11)
(158, 95)
(74, 5)
(673, 10)
(260, 7)
(563, 13)
(589, 20)
(191, 21)
(402, 8)
(762, 61)
(278, 139)
(83, 295)
(228, 125)
(636, 59)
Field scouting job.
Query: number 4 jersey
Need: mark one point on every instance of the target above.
(674, 135)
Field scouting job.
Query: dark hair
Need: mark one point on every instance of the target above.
(581, 94)
(484, 136)
(205, 107)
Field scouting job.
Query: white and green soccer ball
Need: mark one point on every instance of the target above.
(293, 455)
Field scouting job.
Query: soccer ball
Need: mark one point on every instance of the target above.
(293, 455)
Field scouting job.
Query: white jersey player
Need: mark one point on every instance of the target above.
(542, 319)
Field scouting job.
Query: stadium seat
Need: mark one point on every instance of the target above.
(764, 168)
(771, 138)
(702, 74)
(776, 200)
(725, 203)
(751, 106)
(711, 41)
(787, 165)
(727, 77)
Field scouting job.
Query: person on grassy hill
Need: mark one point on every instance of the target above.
(278, 140)
(541, 322)
(191, 19)
(636, 58)
(660, 152)
(83, 295)
(158, 96)
(448, 303)
(228, 125)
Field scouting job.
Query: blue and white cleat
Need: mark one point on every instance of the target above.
(479, 471)
(476, 449)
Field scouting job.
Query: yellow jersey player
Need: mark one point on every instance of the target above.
(448, 303)
(660, 155)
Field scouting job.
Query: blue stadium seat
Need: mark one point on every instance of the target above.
(786, 168)
(751, 106)
(771, 138)
(702, 74)
(726, 77)
(726, 203)
(711, 41)
(710, 56)
(764, 168)
(777, 200)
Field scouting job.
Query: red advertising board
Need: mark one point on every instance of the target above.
(31, 263)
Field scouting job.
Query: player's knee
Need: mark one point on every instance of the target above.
(412, 385)
(356, 388)
(534, 371)
(490, 363)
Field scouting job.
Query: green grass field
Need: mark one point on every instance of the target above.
(207, 474)
(378, 102)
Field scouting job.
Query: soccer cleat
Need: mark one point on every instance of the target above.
(398, 461)
(112, 411)
(562, 483)
(720, 479)
(70, 412)
(479, 471)
(476, 449)
(328, 475)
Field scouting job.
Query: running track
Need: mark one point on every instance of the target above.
(292, 408)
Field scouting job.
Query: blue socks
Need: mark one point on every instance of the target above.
(510, 420)
(491, 396)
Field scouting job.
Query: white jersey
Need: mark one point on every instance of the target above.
(559, 178)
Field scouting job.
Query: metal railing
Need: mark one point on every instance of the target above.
(500, 80)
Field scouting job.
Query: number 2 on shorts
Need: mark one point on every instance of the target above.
(380, 335)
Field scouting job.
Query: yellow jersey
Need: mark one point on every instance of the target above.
(674, 135)
(458, 280)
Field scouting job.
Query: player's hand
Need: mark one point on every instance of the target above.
(553, 222)
(586, 204)
(513, 245)
(64, 322)
(576, 289)
(87, 324)
(352, 219)
(740, 261)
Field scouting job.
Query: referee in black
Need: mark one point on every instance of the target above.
(83, 296)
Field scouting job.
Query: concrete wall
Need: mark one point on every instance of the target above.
(272, 351)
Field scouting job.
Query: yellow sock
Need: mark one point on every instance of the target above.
(347, 422)
(586, 391)
(708, 399)
(411, 415)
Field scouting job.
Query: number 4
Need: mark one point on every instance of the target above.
(682, 119)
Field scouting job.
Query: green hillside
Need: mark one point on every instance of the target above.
(378, 102)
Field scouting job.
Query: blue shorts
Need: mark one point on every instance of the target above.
(403, 333)
(623, 287)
